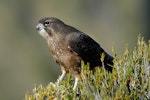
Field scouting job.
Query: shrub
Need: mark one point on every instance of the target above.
(130, 79)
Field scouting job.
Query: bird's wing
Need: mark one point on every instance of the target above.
(89, 50)
(83, 45)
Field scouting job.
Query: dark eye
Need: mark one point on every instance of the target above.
(46, 23)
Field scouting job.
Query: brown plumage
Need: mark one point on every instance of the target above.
(70, 46)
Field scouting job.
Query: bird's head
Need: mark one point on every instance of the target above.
(49, 26)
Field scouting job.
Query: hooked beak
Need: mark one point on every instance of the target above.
(41, 30)
(39, 27)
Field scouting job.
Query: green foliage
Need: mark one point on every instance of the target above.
(129, 80)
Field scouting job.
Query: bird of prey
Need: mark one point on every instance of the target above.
(69, 47)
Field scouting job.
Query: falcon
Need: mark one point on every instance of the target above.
(69, 47)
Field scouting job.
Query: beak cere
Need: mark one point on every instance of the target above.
(41, 30)
(39, 27)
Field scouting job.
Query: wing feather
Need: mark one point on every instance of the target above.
(88, 49)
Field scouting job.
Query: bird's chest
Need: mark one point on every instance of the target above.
(62, 53)
(59, 48)
(57, 45)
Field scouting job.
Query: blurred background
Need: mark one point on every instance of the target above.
(24, 57)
